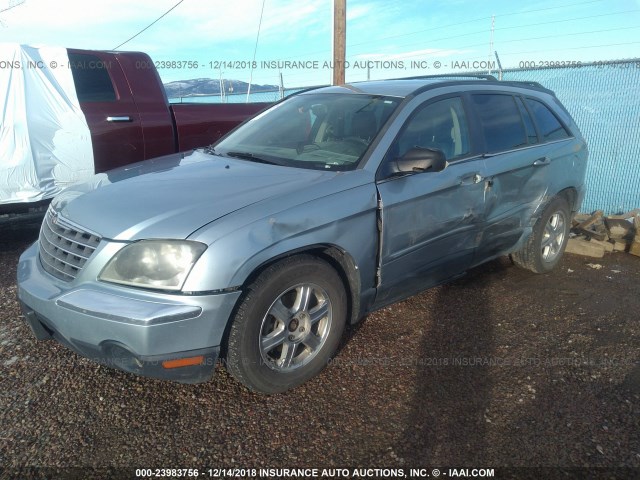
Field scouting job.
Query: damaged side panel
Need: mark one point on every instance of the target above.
(431, 226)
(519, 184)
(345, 221)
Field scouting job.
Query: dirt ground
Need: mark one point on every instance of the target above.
(502, 368)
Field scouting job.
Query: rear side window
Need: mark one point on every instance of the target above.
(549, 126)
(500, 122)
(532, 136)
(93, 83)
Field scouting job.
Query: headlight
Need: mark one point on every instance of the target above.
(162, 264)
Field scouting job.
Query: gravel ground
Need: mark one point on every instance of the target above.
(500, 369)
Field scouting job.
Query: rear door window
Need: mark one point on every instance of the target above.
(532, 136)
(500, 122)
(549, 126)
(91, 77)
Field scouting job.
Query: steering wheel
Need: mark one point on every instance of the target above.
(356, 141)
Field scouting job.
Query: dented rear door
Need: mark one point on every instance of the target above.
(517, 170)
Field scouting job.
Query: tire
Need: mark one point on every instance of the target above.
(287, 326)
(544, 248)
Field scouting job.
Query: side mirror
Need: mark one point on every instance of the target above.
(420, 159)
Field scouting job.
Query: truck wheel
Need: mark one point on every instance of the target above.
(287, 326)
(547, 242)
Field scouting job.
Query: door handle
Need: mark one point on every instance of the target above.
(542, 161)
(125, 118)
(471, 179)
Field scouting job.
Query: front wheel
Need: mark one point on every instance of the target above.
(547, 242)
(288, 325)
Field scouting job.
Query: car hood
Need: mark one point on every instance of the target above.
(172, 196)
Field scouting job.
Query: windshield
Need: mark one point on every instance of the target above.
(322, 131)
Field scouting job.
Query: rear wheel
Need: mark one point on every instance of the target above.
(547, 242)
(288, 325)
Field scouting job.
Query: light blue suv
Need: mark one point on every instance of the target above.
(331, 204)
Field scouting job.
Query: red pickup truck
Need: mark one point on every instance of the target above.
(129, 116)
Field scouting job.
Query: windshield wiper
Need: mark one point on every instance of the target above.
(252, 157)
(210, 150)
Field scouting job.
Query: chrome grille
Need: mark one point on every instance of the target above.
(64, 248)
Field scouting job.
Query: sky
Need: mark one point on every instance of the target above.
(385, 39)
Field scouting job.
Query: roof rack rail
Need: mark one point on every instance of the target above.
(488, 78)
(452, 75)
(525, 82)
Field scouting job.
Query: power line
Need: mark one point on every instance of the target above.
(569, 19)
(499, 16)
(309, 75)
(536, 38)
(545, 37)
(566, 48)
(433, 41)
(523, 12)
(255, 50)
(476, 20)
(12, 5)
(566, 35)
(150, 25)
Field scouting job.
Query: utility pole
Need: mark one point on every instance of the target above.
(339, 40)
(493, 25)
(281, 87)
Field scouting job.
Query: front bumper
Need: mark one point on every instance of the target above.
(126, 328)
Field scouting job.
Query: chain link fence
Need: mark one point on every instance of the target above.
(604, 100)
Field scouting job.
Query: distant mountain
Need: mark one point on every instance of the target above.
(211, 86)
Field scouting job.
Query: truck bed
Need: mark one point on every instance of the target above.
(192, 132)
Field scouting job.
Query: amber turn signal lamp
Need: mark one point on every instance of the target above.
(183, 362)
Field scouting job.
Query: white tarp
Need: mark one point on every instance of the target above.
(45, 144)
